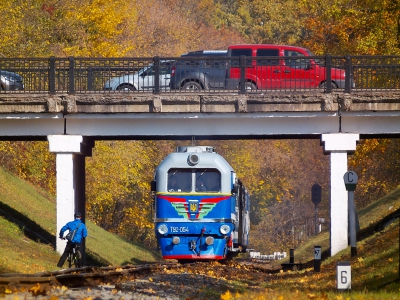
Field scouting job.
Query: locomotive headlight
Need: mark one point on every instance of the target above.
(224, 229)
(193, 159)
(162, 229)
(176, 240)
(209, 240)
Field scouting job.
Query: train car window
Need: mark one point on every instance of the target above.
(179, 180)
(208, 180)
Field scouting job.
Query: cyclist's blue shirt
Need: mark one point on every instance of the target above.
(81, 233)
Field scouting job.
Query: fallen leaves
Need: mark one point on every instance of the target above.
(227, 296)
(37, 290)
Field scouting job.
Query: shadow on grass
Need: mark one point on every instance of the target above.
(362, 234)
(37, 234)
(134, 261)
(31, 229)
(392, 285)
(92, 259)
(378, 226)
(4, 270)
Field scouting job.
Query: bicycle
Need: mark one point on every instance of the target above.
(74, 257)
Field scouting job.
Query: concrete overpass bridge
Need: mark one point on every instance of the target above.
(62, 106)
(72, 124)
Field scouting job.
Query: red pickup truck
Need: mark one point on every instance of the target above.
(279, 67)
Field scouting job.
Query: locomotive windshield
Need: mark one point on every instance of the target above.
(179, 180)
(205, 180)
(208, 180)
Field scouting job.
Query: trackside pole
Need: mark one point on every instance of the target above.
(350, 180)
(317, 258)
(316, 192)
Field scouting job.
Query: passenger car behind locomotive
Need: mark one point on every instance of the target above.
(201, 209)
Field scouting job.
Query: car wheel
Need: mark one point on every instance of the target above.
(250, 86)
(192, 86)
(125, 87)
(323, 85)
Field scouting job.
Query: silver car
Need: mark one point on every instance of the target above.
(143, 80)
(10, 81)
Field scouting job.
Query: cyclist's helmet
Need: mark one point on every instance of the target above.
(77, 215)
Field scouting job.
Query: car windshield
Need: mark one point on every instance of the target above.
(317, 61)
(165, 68)
(147, 69)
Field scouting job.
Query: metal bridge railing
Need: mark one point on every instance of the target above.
(75, 75)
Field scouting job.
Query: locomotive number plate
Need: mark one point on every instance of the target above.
(175, 229)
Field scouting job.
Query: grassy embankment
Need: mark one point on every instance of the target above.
(28, 233)
(375, 269)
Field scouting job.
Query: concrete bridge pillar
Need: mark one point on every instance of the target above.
(70, 182)
(339, 144)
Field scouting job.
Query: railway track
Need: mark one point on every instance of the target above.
(78, 277)
(171, 279)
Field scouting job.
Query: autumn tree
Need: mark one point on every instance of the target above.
(118, 186)
(262, 21)
(31, 161)
(295, 165)
(173, 27)
(351, 27)
(376, 163)
(67, 28)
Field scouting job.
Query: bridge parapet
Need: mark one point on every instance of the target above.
(80, 75)
(198, 103)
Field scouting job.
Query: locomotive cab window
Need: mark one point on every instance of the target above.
(208, 180)
(179, 180)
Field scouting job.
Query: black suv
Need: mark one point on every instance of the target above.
(192, 72)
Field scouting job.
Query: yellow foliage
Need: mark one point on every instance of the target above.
(67, 27)
(30, 161)
(342, 27)
(227, 296)
(36, 289)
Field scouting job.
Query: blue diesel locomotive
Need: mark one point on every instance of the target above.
(202, 211)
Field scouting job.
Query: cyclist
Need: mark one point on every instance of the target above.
(76, 241)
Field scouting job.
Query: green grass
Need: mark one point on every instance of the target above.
(374, 273)
(371, 219)
(28, 233)
(33, 203)
(115, 250)
(374, 270)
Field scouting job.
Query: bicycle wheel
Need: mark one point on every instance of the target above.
(70, 259)
(77, 258)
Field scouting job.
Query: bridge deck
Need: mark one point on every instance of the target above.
(199, 102)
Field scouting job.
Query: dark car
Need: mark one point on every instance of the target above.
(192, 72)
(10, 81)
